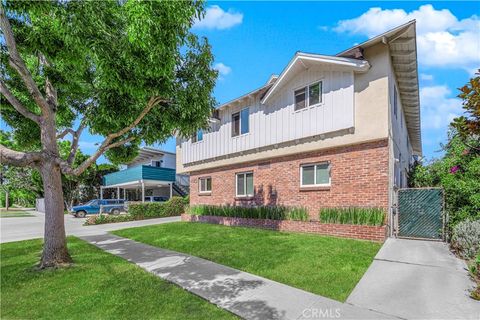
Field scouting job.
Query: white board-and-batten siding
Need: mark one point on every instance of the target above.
(277, 122)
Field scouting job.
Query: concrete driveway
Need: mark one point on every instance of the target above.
(23, 228)
(415, 279)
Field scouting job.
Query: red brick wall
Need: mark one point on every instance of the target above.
(373, 233)
(359, 177)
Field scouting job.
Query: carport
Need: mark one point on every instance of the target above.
(139, 178)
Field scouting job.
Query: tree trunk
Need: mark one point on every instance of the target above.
(7, 200)
(55, 251)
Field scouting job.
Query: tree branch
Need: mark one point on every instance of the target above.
(62, 134)
(75, 141)
(17, 104)
(67, 167)
(18, 158)
(107, 143)
(17, 63)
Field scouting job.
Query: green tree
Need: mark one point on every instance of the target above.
(468, 126)
(130, 71)
(458, 171)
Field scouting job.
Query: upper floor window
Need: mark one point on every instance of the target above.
(205, 185)
(240, 122)
(244, 184)
(312, 175)
(308, 96)
(197, 136)
(156, 163)
(395, 102)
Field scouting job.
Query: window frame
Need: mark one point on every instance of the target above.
(307, 95)
(152, 163)
(239, 112)
(246, 195)
(200, 191)
(315, 164)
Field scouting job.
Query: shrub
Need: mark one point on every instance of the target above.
(107, 218)
(186, 200)
(261, 212)
(173, 207)
(298, 213)
(466, 238)
(353, 215)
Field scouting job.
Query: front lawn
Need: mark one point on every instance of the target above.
(327, 266)
(98, 286)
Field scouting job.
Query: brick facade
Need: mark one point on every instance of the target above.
(372, 233)
(359, 177)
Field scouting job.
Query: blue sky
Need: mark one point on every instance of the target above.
(252, 40)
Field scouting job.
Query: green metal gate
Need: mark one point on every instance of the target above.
(420, 213)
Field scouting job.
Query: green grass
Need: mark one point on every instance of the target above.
(327, 266)
(97, 286)
(14, 214)
(353, 215)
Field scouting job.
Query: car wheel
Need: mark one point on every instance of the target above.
(81, 214)
(115, 212)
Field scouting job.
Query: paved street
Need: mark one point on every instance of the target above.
(415, 279)
(23, 228)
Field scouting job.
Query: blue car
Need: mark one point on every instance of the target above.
(110, 206)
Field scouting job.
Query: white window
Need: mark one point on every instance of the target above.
(312, 175)
(156, 163)
(205, 185)
(244, 184)
(310, 95)
(240, 122)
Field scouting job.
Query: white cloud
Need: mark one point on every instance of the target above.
(426, 77)
(222, 69)
(217, 18)
(438, 108)
(442, 39)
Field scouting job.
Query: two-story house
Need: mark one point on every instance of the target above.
(328, 131)
(150, 176)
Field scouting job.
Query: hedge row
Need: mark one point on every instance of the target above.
(353, 215)
(173, 207)
(261, 212)
(140, 211)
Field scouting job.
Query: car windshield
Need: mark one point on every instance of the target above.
(91, 203)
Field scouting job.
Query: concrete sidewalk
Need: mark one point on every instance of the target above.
(244, 294)
(24, 228)
(415, 279)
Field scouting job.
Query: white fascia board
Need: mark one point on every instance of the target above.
(354, 64)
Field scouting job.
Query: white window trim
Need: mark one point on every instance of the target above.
(240, 134)
(200, 185)
(152, 165)
(315, 175)
(245, 185)
(307, 90)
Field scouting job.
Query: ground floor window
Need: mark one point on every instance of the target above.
(244, 184)
(205, 184)
(312, 175)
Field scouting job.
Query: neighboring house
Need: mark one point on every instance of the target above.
(151, 173)
(329, 131)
